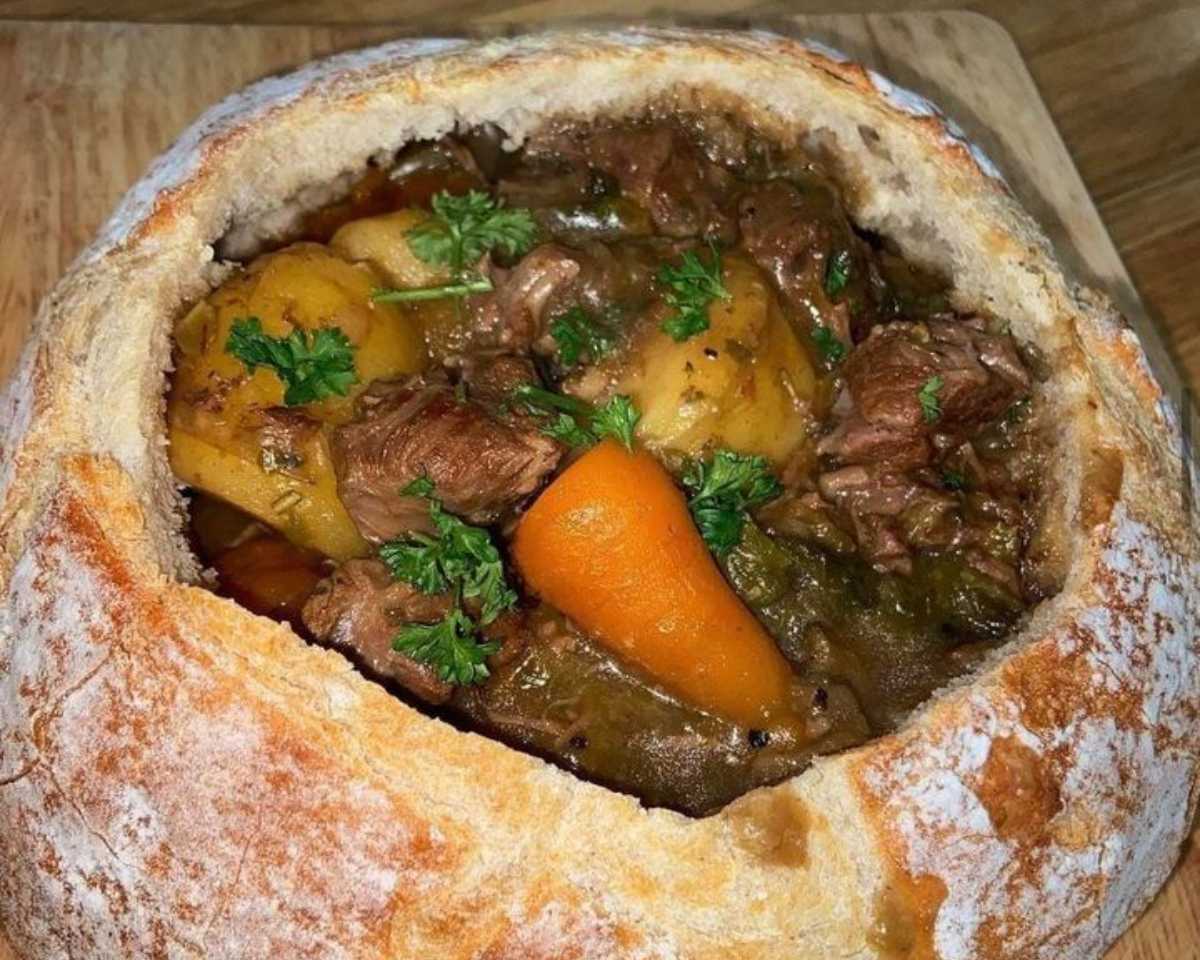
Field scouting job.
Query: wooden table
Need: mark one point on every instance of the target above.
(1123, 91)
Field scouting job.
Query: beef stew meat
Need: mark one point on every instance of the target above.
(884, 548)
(480, 461)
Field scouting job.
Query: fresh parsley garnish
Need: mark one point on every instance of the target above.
(837, 272)
(689, 288)
(954, 480)
(566, 429)
(931, 409)
(463, 228)
(451, 646)
(722, 490)
(460, 558)
(616, 419)
(832, 349)
(578, 423)
(580, 335)
(312, 364)
(466, 227)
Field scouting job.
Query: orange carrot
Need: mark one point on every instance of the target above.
(611, 544)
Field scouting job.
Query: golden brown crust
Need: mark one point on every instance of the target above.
(180, 777)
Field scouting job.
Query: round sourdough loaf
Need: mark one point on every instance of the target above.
(179, 777)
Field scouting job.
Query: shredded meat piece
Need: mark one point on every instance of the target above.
(890, 512)
(662, 170)
(480, 464)
(360, 607)
(512, 314)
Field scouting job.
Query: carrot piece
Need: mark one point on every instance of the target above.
(611, 544)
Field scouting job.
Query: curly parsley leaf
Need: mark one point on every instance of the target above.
(832, 349)
(722, 490)
(580, 335)
(461, 557)
(421, 487)
(689, 288)
(576, 422)
(837, 272)
(462, 229)
(566, 429)
(465, 227)
(927, 396)
(312, 364)
(616, 419)
(451, 646)
(417, 560)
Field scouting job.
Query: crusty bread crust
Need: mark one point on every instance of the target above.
(179, 777)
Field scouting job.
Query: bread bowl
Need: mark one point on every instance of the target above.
(1122, 809)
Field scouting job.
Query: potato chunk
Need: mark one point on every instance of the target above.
(230, 435)
(746, 383)
(381, 241)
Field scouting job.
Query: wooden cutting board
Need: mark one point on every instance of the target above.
(87, 106)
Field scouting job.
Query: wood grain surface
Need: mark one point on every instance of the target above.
(87, 106)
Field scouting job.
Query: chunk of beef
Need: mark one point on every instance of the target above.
(492, 375)
(512, 314)
(480, 464)
(887, 372)
(891, 513)
(489, 378)
(614, 274)
(552, 278)
(360, 608)
(857, 440)
(791, 234)
(881, 418)
(662, 169)
(894, 514)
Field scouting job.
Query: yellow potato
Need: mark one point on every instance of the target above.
(746, 383)
(382, 242)
(215, 411)
(302, 504)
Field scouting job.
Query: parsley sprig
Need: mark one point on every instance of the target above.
(576, 422)
(463, 228)
(689, 288)
(312, 364)
(580, 335)
(927, 396)
(451, 645)
(722, 490)
(461, 559)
